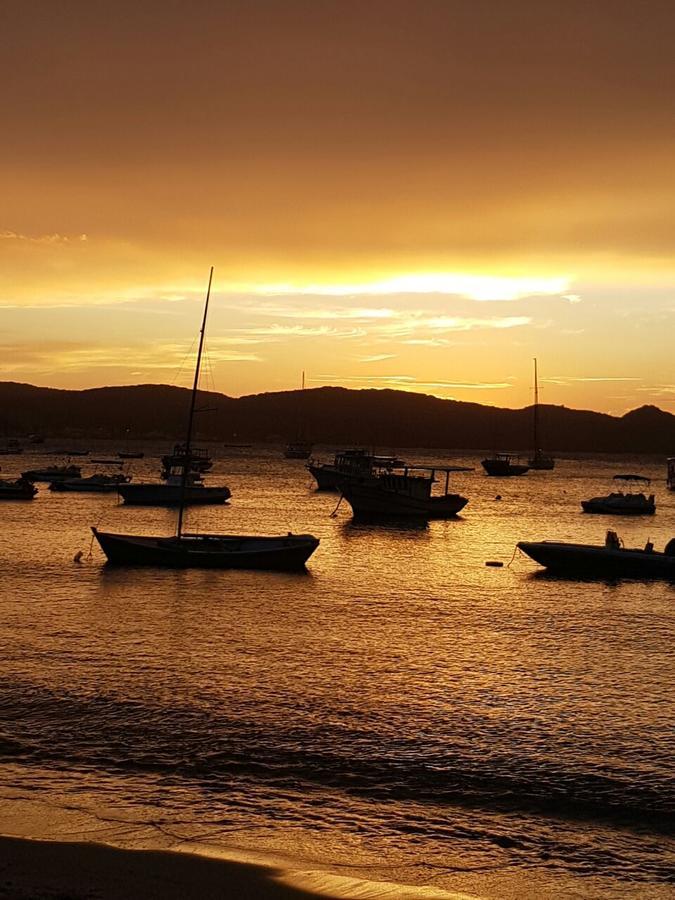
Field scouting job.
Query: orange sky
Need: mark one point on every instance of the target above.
(421, 195)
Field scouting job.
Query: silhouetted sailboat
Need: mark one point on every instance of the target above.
(539, 460)
(299, 448)
(218, 551)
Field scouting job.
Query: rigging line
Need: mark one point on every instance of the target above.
(178, 372)
(515, 551)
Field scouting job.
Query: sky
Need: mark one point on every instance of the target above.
(413, 194)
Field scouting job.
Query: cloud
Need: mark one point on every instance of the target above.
(573, 379)
(408, 382)
(48, 356)
(380, 357)
(49, 239)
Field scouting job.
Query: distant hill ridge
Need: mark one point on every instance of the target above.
(330, 415)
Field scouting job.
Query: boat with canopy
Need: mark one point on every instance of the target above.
(404, 493)
(619, 503)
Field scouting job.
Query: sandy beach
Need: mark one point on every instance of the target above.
(46, 870)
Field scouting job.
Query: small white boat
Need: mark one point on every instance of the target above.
(631, 503)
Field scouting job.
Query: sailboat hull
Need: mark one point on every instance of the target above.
(209, 551)
(170, 494)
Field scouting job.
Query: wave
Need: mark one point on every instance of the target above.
(41, 726)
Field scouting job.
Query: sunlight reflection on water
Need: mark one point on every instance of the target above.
(418, 694)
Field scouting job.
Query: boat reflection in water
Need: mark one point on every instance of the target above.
(208, 551)
(403, 494)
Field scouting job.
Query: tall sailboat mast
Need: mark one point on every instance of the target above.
(535, 412)
(193, 402)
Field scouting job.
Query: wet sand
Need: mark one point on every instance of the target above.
(45, 870)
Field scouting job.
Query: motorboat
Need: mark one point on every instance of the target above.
(173, 491)
(213, 551)
(182, 482)
(610, 559)
(52, 473)
(298, 450)
(502, 465)
(623, 504)
(349, 465)
(209, 551)
(200, 460)
(94, 484)
(19, 489)
(539, 459)
(403, 494)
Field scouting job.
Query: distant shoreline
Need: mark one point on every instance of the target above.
(328, 416)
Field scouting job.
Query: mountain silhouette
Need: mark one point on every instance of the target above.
(330, 415)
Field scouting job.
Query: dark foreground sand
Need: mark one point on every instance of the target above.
(41, 870)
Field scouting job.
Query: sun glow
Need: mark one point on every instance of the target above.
(474, 287)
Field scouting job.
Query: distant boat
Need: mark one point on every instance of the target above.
(173, 491)
(20, 489)
(348, 465)
(502, 465)
(403, 494)
(69, 452)
(299, 448)
(11, 447)
(182, 482)
(52, 473)
(623, 504)
(200, 461)
(187, 550)
(94, 484)
(611, 560)
(131, 454)
(539, 459)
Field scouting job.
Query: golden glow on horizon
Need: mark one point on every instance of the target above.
(473, 286)
(423, 196)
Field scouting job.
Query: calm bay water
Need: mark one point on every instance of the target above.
(400, 709)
